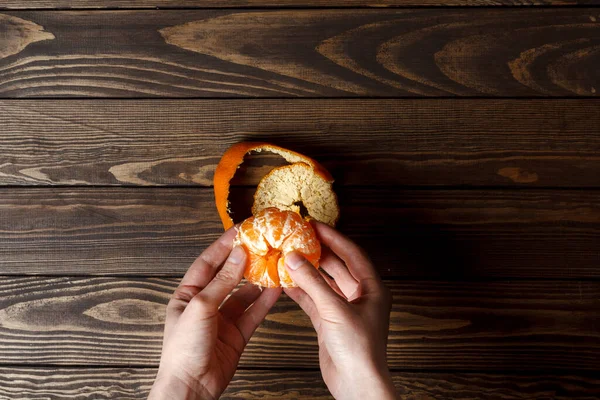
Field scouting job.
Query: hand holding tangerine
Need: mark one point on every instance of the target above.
(206, 331)
(351, 315)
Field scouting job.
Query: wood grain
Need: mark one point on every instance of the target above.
(409, 233)
(152, 4)
(18, 33)
(75, 383)
(31, 383)
(362, 142)
(523, 325)
(310, 53)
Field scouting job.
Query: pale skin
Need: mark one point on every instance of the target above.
(206, 331)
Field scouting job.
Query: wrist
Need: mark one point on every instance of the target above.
(170, 387)
(383, 388)
(377, 383)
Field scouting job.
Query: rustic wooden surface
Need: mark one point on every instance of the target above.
(468, 167)
(519, 325)
(541, 143)
(152, 4)
(448, 234)
(134, 384)
(301, 53)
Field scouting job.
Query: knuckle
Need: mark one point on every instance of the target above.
(372, 284)
(225, 275)
(175, 306)
(312, 276)
(379, 290)
(185, 293)
(201, 304)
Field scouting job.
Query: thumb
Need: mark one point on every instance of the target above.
(309, 279)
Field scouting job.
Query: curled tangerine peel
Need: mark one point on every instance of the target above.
(268, 237)
(234, 157)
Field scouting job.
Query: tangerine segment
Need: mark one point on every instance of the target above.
(268, 237)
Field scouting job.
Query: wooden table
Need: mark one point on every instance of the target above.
(465, 143)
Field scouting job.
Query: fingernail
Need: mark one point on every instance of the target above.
(237, 255)
(294, 260)
(356, 295)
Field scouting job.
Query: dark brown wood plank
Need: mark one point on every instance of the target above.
(362, 142)
(301, 53)
(483, 326)
(152, 4)
(76, 383)
(409, 233)
(134, 383)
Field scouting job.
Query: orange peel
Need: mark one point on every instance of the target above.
(234, 157)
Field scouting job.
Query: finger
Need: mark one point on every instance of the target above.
(177, 304)
(201, 271)
(331, 282)
(205, 267)
(305, 303)
(357, 261)
(339, 272)
(308, 278)
(239, 301)
(226, 279)
(257, 312)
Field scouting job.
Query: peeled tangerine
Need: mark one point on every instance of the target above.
(268, 237)
(277, 227)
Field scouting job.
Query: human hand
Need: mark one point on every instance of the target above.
(351, 316)
(203, 342)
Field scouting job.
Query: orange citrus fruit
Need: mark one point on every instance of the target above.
(268, 237)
